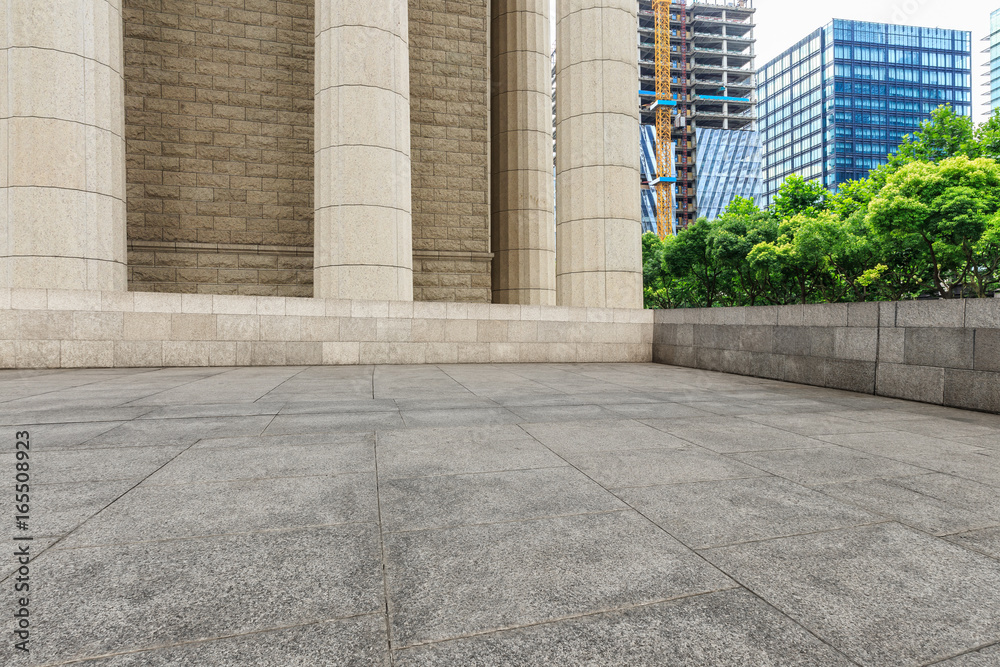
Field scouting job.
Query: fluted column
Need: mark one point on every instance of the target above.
(523, 230)
(363, 233)
(598, 214)
(62, 145)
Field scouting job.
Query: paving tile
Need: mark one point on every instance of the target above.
(656, 410)
(245, 409)
(817, 424)
(728, 435)
(586, 436)
(453, 582)
(877, 415)
(824, 465)
(985, 541)
(68, 415)
(987, 657)
(418, 503)
(127, 597)
(234, 463)
(931, 453)
(706, 514)
(152, 432)
(56, 509)
(349, 642)
(883, 595)
(437, 403)
(646, 467)
(935, 503)
(299, 407)
(722, 407)
(552, 397)
(190, 510)
(937, 427)
(65, 436)
(418, 452)
(63, 466)
(561, 413)
(332, 423)
(458, 417)
(991, 441)
(279, 442)
(724, 628)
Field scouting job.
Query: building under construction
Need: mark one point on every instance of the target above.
(712, 81)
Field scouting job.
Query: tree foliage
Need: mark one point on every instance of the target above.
(926, 224)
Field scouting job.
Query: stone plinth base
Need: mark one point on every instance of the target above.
(72, 329)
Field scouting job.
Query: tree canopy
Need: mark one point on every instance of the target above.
(926, 224)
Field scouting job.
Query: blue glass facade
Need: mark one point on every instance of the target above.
(837, 103)
(729, 166)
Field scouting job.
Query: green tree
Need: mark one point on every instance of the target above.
(988, 137)
(687, 255)
(945, 134)
(740, 227)
(947, 205)
(797, 195)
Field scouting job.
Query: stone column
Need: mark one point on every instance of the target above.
(598, 213)
(364, 238)
(62, 145)
(523, 225)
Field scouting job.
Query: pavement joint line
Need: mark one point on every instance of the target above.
(231, 480)
(217, 373)
(480, 524)
(477, 472)
(792, 620)
(207, 640)
(697, 481)
(287, 379)
(909, 463)
(958, 655)
(211, 536)
(381, 546)
(572, 617)
(711, 564)
(808, 532)
(65, 371)
(119, 497)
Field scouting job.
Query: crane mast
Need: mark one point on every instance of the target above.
(664, 104)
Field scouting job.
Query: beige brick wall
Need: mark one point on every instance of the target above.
(219, 122)
(449, 97)
(219, 127)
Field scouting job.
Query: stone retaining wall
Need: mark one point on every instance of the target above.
(944, 352)
(70, 329)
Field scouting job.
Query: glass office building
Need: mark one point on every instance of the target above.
(994, 62)
(728, 165)
(833, 106)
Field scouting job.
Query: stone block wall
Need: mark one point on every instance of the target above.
(943, 352)
(71, 329)
(449, 143)
(219, 129)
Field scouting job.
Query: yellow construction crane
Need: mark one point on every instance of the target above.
(664, 104)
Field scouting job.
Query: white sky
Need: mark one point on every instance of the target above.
(782, 23)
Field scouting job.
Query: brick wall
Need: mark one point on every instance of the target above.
(219, 122)
(219, 127)
(449, 95)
